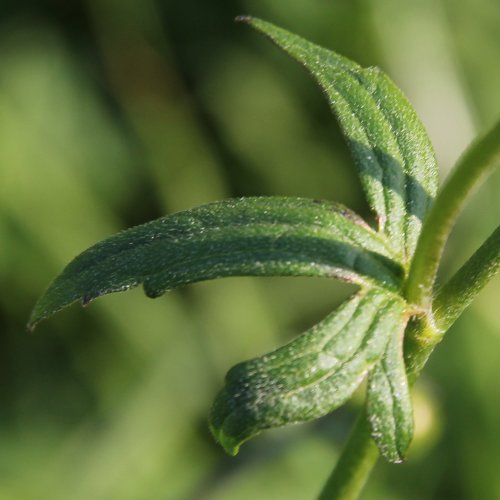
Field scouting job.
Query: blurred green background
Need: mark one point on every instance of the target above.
(116, 112)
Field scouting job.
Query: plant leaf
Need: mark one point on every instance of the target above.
(389, 406)
(390, 147)
(243, 237)
(310, 376)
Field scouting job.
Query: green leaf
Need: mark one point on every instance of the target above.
(242, 237)
(390, 147)
(310, 376)
(389, 407)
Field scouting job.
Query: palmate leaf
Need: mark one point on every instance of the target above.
(310, 376)
(318, 371)
(243, 237)
(390, 147)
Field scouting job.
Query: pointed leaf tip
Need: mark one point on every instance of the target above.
(389, 144)
(243, 19)
(273, 236)
(229, 444)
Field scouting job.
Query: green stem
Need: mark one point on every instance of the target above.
(452, 298)
(354, 466)
(424, 332)
(475, 164)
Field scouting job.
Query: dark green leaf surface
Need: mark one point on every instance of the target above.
(389, 406)
(310, 376)
(241, 237)
(390, 147)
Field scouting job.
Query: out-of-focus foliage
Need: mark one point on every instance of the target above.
(113, 113)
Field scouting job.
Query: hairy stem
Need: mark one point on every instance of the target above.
(475, 164)
(354, 466)
(452, 298)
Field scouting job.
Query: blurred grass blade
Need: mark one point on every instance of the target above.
(310, 376)
(389, 406)
(242, 237)
(390, 147)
